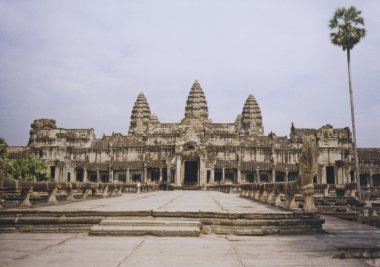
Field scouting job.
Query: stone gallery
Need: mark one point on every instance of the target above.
(195, 151)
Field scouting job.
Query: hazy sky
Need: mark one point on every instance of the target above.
(83, 63)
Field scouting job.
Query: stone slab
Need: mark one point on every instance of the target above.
(18, 249)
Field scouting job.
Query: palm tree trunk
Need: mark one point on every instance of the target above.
(357, 174)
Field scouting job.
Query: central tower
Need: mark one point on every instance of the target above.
(196, 105)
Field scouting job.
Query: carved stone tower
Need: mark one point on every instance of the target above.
(196, 104)
(140, 116)
(251, 121)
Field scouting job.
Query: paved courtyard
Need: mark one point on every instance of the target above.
(33, 249)
(189, 201)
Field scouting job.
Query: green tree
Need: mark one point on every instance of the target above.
(3, 154)
(348, 30)
(28, 168)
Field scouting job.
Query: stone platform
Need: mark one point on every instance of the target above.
(341, 243)
(79, 249)
(153, 213)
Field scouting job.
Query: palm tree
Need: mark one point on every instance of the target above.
(349, 30)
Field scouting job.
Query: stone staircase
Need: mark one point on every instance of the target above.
(130, 226)
(159, 223)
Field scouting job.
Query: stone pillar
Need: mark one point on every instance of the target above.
(97, 175)
(323, 178)
(212, 176)
(347, 176)
(257, 176)
(223, 176)
(160, 175)
(202, 172)
(145, 178)
(273, 176)
(127, 174)
(168, 172)
(286, 175)
(238, 175)
(371, 178)
(85, 175)
(111, 176)
(178, 171)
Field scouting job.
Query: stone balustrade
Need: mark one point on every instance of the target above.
(225, 188)
(133, 188)
(281, 194)
(15, 193)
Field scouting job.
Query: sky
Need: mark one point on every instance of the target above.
(84, 62)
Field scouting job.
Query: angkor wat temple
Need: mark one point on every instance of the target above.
(195, 151)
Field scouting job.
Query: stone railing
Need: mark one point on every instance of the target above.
(135, 188)
(326, 190)
(371, 193)
(16, 193)
(278, 194)
(225, 188)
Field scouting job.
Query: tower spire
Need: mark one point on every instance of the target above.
(196, 104)
(140, 116)
(252, 122)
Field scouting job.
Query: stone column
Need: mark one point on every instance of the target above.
(286, 175)
(371, 178)
(85, 175)
(145, 178)
(127, 174)
(178, 171)
(257, 176)
(238, 175)
(323, 178)
(223, 176)
(168, 175)
(160, 181)
(97, 175)
(202, 172)
(111, 176)
(273, 176)
(212, 176)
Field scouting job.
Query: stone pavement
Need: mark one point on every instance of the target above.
(34, 249)
(25, 249)
(187, 201)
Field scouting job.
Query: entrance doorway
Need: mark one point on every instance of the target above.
(330, 175)
(191, 172)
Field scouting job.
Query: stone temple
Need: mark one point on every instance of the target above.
(195, 151)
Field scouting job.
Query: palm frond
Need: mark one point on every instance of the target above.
(348, 26)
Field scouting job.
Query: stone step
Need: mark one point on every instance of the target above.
(156, 230)
(146, 226)
(128, 222)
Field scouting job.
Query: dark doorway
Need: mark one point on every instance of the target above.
(52, 171)
(363, 179)
(79, 172)
(218, 176)
(280, 177)
(376, 180)
(330, 174)
(191, 172)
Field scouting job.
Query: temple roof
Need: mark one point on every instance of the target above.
(251, 118)
(140, 116)
(369, 155)
(196, 104)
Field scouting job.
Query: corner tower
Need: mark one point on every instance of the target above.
(140, 116)
(251, 119)
(196, 104)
